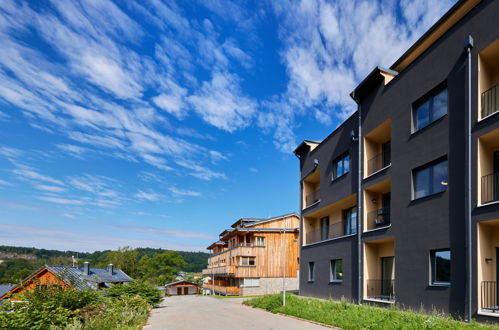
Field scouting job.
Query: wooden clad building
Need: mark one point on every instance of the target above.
(249, 257)
(181, 288)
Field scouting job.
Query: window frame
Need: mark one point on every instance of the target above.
(433, 267)
(254, 282)
(311, 271)
(336, 161)
(428, 98)
(260, 238)
(332, 268)
(431, 165)
(249, 261)
(348, 220)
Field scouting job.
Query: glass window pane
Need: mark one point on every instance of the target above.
(423, 115)
(440, 177)
(442, 266)
(346, 164)
(422, 183)
(338, 270)
(439, 105)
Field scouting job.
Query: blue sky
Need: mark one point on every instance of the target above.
(158, 124)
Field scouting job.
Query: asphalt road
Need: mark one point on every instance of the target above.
(207, 313)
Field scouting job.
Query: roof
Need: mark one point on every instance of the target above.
(306, 144)
(246, 222)
(444, 24)
(4, 288)
(76, 277)
(376, 74)
(178, 282)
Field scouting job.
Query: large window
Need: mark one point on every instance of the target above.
(251, 282)
(430, 179)
(430, 109)
(311, 271)
(350, 220)
(341, 166)
(247, 261)
(259, 241)
(336, 270)
(440, 267)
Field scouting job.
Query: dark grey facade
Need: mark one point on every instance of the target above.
(402, 233)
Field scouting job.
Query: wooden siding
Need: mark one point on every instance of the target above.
(269, 259)
(42, 277)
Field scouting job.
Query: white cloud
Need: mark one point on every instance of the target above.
(30, 174)
(5, 183)
(183, 192)
(60, 200)
(149, 196)
(220, 103)
(49, 188)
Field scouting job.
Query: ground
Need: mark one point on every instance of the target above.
(207, 313)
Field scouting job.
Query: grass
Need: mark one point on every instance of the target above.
(350, 316)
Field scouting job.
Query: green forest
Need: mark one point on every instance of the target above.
(156, 266)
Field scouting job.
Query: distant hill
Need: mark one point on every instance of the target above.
(18, 262)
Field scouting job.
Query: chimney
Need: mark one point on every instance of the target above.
(86, 268)
(110, 269)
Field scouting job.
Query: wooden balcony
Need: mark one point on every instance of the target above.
(221, 270)
(224, 290)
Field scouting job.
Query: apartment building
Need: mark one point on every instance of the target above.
(253, 257)
(384, 208)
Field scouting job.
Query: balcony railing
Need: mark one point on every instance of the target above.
(378, 162)
(381, 289)
(223, 290)
(490, 101)
(490, 188)
(221, 270)
(312, 198)
(378, 218)
(332, 231)
(489, 296)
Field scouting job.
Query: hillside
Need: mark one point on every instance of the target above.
(18, 262)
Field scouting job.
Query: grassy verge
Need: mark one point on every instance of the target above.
(350, 316)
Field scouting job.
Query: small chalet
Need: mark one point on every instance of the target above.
(181, 288)
(81, 278)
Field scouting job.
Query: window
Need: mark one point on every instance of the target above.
(311, 271)
(350, 220)
(251, 282)
(324, 228)
(430, 109)
(440, 267)
(430, 179)
(259, 241)
(247, 261)
(336, 270)
(341, 166)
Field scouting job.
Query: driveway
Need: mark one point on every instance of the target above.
(207, 313)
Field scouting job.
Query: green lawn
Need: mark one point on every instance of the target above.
(350, 316)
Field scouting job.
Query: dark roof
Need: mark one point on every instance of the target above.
(372, 78)
(4, 288)
(76, 277)
(255, 221)
(178, 282)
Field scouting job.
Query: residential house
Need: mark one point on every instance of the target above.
(395, 207)
(81, 278)
(181, 288)
(253, 257)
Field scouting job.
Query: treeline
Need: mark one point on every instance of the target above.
(156, 266)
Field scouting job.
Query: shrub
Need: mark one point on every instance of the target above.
(142, 289)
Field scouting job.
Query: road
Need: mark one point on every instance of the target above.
(207, 313)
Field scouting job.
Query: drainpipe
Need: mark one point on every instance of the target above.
(359, 198)
(468, 46)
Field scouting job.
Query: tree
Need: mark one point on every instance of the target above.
(125, 259)
(160, 268)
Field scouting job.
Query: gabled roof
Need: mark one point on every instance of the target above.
(178, 282)
(305, 145)
(4, 288)
(76, 277)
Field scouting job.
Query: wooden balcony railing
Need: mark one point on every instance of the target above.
(221, 270)
(224, 290)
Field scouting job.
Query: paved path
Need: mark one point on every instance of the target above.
(207, 313)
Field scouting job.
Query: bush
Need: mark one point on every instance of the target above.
(52, 307)
(142, 289)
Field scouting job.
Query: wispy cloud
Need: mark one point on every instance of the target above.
(49, 188)
(30, 174)
(148, 195)
(183, 192)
